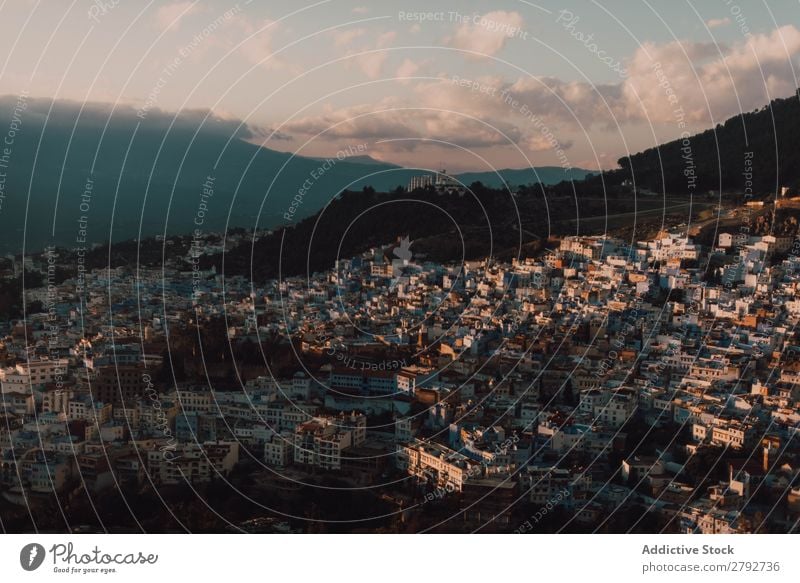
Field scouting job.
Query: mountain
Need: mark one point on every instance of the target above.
(113, 174)
(100, 173)
(759, 150)
(436, 227)
(764, 143)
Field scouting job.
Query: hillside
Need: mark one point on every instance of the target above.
(128, 178)
(131, 178)
(483, 223)
(765, 142)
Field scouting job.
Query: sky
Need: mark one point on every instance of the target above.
(462, 85)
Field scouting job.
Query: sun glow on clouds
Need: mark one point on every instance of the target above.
(705, 77)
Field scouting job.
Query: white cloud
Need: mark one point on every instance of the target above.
(692, 72)
(539, 142)
(407, 68)
(254, 42)
(169, 16)
(709, 86)
(386, 39)
(371, 64)
(437, 111)
(345, 38)
(65, 113)
(374, 57)
(487, 34)
(717, 22)
(365, 122)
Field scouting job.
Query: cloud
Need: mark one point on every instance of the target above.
(755, 69)
(539, 142)
(572, 102)
(425, 117)
(371, 64)
(386, 39)
(373, 58)
(345, 38)
(709, 86)
(707, 80)
(95, 115)
(541, 114)
(467, 132)
(259, 134)
(407, 68)
(717, 22)
(254, 42)
(656, 71)
(169, 16)
(257, 46)
(446, 111)
(364, 122)
(486, 34)
(666, 82)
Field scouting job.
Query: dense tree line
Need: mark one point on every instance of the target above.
(480, 223)
(764, 144)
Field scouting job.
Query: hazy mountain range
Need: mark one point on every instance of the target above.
(92, 173)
